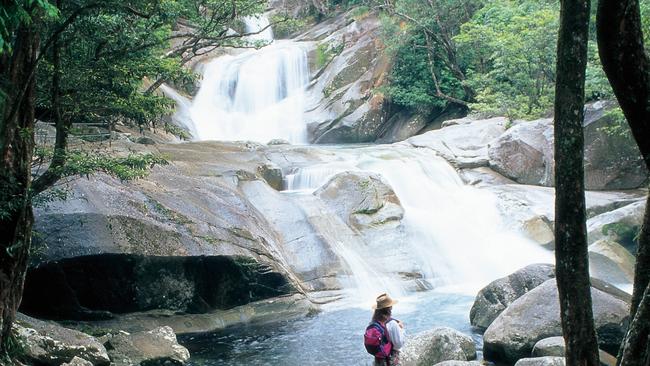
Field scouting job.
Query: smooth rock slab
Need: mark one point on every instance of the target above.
(437, 345)
(155, 347)
(536, 315)
(498, 295)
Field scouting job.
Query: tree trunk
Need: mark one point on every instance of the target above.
(16, 148)
(572, 263)
(620, 46)
(621, 50)
(635, 352)
(53, 172)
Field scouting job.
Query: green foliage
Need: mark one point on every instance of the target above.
(420, 37)
(179, 132)
(497, 54)
(511, 46)
(625, 234)
(85, 163)
(13, 13)
(325, 52)
(284, 25)
(411, 84)
(124, 168)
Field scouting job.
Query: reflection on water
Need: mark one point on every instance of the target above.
(329, 338)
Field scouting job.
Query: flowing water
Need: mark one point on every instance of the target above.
(454, 236)
(256, 95)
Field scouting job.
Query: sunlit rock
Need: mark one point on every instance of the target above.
(498, 295)
(155, 347)
(611, 262)
(536, 315)
(437, 345)
(50, 344)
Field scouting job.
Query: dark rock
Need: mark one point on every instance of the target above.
(144, 140)
(499, 294)
(272, 174)
(612, 161)
(87, 287)
(437, 345)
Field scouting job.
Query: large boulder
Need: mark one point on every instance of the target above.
(361, 199)
(524, 153)
(498, 295)
(462, 142)
(612, 159)
(155, 347)
(536, 315)
(50, 344)
(437, 345)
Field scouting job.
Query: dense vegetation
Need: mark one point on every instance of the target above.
(83, 61)
(495, 57)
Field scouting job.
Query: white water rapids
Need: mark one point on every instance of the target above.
(454, 234)
(255, 95)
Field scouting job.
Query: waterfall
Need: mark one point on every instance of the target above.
(182, 115)
(456, 236)
(256, 95)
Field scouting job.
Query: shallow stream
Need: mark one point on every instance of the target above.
(332, 337)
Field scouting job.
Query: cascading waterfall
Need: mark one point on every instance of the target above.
(456, 237)
(182, 115)
(257, 95)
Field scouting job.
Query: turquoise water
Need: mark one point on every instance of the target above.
(328, 338)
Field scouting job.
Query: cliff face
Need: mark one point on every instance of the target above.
(349, 66)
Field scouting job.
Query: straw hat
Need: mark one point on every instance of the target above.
(384, 301)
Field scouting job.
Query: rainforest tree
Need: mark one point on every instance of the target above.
(627, 66)
(76, 61)
(571, 258)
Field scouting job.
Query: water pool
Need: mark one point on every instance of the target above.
(331, 337)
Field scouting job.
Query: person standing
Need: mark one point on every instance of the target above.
(393, 328)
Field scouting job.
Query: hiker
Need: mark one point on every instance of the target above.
(384, 336)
